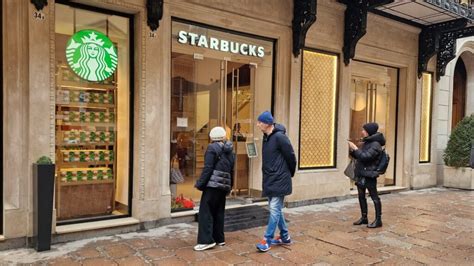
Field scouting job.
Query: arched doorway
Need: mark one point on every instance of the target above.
(459, 93)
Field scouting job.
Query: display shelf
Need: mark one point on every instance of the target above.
(85, 164)
(85, 144)
(85, 125)
(88, 105)
(97, 87)
(86, 182)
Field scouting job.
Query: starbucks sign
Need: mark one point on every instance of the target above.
(91, 55)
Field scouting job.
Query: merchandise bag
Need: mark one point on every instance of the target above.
(176, 177)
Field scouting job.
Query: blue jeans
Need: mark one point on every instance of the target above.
(276, 219)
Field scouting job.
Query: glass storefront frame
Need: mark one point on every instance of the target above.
(335, 110)
(228, 60)
(395, 112)
(131, 85)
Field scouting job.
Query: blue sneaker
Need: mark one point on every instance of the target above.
(264, 245)
(281, 241)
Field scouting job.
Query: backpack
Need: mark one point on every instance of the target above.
(383, 162)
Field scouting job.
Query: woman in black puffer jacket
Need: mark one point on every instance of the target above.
(215, 182)
(367, 159)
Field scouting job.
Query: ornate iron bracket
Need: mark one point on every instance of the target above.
(429, 41)
(355, 23)
(39, 4)
(304, 15)
(447, 52)
(451, 6)
(154, 10)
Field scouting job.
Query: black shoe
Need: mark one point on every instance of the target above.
(362, 220)
(376, 223)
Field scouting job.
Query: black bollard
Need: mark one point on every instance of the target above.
(43, 189)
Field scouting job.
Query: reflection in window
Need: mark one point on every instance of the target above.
(318, 110)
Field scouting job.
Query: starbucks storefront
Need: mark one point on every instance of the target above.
(219, 78)
(93, 114)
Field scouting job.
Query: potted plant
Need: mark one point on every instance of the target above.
(43, 189)
(457, 155)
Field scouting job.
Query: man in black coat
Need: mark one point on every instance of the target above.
(278, 167)
(367, 160)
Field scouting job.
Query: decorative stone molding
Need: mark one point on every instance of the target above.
(304, 15)
(154, 10)
(448, 51)
(428, 42)
(355, 23)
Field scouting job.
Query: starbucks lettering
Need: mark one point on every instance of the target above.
(220, 45)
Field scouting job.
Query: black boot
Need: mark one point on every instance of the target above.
(363, 220)
(378, 215)
(376, 223)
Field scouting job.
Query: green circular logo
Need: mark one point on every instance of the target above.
(91, 55)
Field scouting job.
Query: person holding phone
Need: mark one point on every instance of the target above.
(367, 158)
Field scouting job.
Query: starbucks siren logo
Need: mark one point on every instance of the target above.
(91, 55)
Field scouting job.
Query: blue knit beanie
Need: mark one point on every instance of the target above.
(371, 128)
(266, 118)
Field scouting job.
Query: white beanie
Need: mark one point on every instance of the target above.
(217, 133)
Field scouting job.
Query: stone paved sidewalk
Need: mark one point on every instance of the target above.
(431, 226)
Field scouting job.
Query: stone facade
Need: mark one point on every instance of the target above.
(29, 129)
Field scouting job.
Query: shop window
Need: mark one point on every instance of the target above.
(93, 114)
(373, 98)
(318, 110)
(425, 123)
(218, 78)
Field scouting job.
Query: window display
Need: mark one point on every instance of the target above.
(92, 114)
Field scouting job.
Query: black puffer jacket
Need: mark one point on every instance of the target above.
(279, 163)
(218, 169)
(368, 156)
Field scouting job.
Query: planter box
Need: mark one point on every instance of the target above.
(85, 200)
(462, 177)
(43, 189)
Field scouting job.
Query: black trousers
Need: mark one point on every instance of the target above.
(371, 185)
(211, 216)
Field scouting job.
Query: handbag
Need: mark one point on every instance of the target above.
(350, 170)
(176, 177)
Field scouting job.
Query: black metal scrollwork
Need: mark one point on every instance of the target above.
(429, 41)
(39, 4)
(355, 23)
(447, 51)
(154, 10)
(304, 15)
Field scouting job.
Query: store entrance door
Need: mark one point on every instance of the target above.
(374, 99)
(209, 92)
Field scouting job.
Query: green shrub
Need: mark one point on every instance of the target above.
(458, 150)
(44, 160)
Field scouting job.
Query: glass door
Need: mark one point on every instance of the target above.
(208, 92)
(374, 99)
(239, 117)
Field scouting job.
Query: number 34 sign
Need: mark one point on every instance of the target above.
(38, 15)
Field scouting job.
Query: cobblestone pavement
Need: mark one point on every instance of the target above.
(431, 226)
